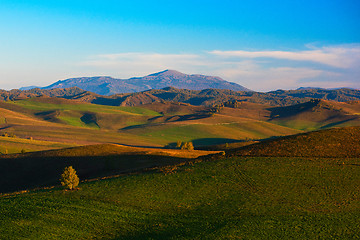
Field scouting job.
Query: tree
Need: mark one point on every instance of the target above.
(178, 144)
(187, 146)
(69, 179)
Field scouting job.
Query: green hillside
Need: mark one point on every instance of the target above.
(42, 168)
(317, 114)
(204, 133)
(45, 103)
(236, 198)
(11, 144)
(157, 124)
(336, 142)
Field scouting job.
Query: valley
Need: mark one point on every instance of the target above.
(179, 120)
(259, 170)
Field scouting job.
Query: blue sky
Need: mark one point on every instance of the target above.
(262, 45)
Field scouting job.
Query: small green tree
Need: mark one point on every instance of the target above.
(69, 179)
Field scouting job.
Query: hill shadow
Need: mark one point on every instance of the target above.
(115, 101)
(28, 172)
(89, 119)
(203, 143)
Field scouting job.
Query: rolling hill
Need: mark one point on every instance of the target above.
(205, 97)
(42, 168)
(329, 143)
(317, 114)
(295, 187)
(163, 123)
(155, 124)
(226, 198)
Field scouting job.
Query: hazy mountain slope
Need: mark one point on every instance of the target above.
(109, 85)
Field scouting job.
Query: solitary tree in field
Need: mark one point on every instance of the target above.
(69, 179)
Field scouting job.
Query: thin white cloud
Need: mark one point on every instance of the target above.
(341, 57)
(328, 66)
(266, 79)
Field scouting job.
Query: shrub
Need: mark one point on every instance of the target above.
(178, 144)
(187, 146)
(69, 179)
(23, 151)
(169, 169)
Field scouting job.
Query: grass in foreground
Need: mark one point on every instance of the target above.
(236, 198)
(26, 171)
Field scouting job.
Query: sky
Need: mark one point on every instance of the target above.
(262, 45)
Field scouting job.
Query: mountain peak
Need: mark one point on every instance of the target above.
(168, 72)
(167, 78)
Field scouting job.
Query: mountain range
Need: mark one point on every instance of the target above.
(205, 97)
(107, 85)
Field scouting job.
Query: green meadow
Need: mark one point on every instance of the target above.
(16, 145)
(62, 120)
(303, 186)
(43, 105)
(228, 198)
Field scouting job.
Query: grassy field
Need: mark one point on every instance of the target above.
(26, 171)
(336, 142)
(161, 124)
(71, 131)
(234, 198)
(303, 186)
(16, 145)
(317, 114)
(44, 104)
(203, 133)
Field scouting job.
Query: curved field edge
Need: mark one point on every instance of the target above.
(17, 145)
(336, 142)
(250, 198)
(26, 171)
(210, 134)
(43, 104)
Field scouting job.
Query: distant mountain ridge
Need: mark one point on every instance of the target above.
(105, 85)
(206, 97)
